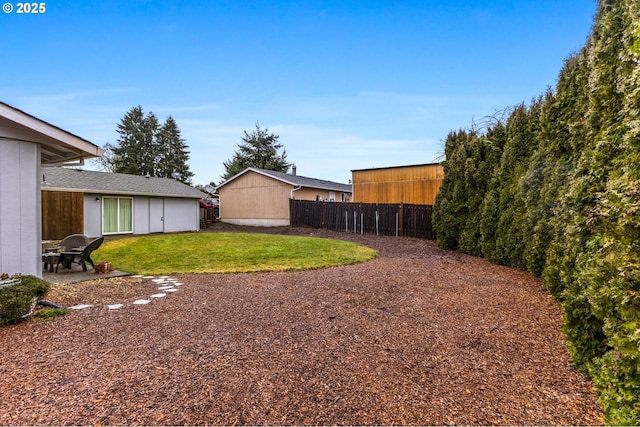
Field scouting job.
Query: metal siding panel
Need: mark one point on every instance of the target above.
(92, 215)
(20, 231)
(30, 215)
(155, 215)
(179, 215)
(141, 215)
(9, 214)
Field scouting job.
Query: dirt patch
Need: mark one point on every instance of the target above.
(417, 336)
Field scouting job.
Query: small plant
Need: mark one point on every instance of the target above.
(18, 299)
(49, 313)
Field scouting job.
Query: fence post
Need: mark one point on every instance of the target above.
(377, 221)
(355, 222)
(396, 224)
(346, 222)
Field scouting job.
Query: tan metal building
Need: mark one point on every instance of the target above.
(416, 184)
(260, 197)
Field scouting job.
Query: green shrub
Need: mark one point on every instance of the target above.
(48, 313)
(563, 201)
(16, 301)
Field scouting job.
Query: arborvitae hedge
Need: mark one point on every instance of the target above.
(555, 189)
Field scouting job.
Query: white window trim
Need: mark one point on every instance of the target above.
(102, 215)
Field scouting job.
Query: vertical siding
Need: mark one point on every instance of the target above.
(253, 196)
(256, 199)
(141, 216)
(62, 214)
(20, 228)
(155, 215)
(406, 184)
(93, 215)
(181, 215)
(313, 194)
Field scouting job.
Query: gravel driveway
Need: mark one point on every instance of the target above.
(416, 336)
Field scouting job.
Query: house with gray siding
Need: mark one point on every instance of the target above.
(26, 143)
(100, 203)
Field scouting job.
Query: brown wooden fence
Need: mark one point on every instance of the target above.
(369, 218)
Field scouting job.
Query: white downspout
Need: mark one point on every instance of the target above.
(293, 190)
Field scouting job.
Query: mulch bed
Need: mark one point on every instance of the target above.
(418, 336)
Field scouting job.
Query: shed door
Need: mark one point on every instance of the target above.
(156, 215)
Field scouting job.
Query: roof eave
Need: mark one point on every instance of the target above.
(121, 192)
(278, 178)
(57, 144)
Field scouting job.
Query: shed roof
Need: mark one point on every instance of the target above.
(56, 144)
(295, 180)
(86, 181)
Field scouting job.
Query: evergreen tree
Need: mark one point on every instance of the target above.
(563, 202)
(259, 149)
(149, 155)
(129, 153)
(172, 153)
(146, 148)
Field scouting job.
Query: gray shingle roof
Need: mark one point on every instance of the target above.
(63, 179)
(297, 180)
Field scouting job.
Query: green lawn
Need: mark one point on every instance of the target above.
(227, 253)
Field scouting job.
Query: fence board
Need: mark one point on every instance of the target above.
(369, 218)
(62, 214)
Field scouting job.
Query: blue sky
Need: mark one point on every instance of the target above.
(345, 84)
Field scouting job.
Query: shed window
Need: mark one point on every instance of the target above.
(117, 215)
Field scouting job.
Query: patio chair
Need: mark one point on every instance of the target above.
(79, 257)
(70, 242)
(50, 254)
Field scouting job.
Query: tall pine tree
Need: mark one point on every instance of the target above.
(172, 152)
(564, 202)
(259, 149)
(146, 148)
(132, 144)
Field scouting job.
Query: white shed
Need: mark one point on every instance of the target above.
(100, 203)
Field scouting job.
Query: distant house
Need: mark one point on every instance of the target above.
(260, 197)
(26, 143)
(100, 203)
(415, 184)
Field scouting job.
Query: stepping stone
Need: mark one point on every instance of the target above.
(172, 290)
(177, 284)
(115, 306)
(164, 288)
(158, 295)
(141, 301)
(81, 306)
